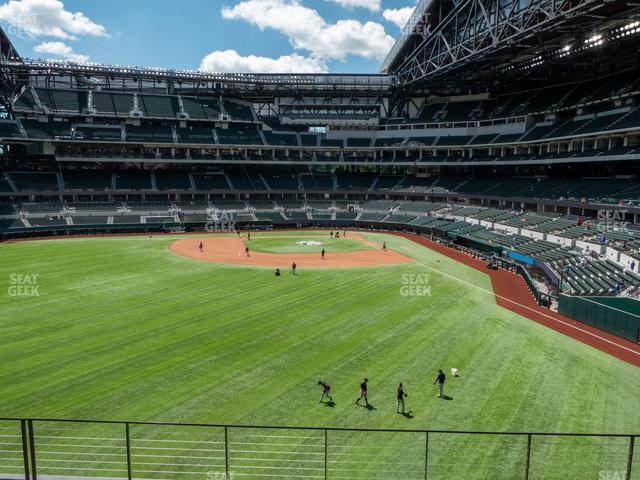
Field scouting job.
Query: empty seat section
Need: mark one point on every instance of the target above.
(483, 139)
(158, 105)
(5, 186)
(309, 139)
(111, 133)
(149, 133)
(453, 140)
(510, 138)
(241, 180)
(195, 135)
(428, 112)
(47, 130)
(238, 111)
(210, 181)
(630, 120)
(282, 182)
(87, 180)
(9, 129)
(239, 135)
(538, 132)
(172, 180)
(317, 181)
(281, 138)
(193, 108)
(388, 142)
(133, 180)
(458, 111)
(35, 181)
(103, 103)
(388, 181)
(422, 140)
(329, 142)
(123, 104)
(355, 181)
(359, 142)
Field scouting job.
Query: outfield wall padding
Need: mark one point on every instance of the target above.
(617, 315)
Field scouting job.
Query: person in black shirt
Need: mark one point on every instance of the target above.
(322, 254)
(440, 381)
(277, 272)
(400, 399)
(363, 392)
(326, 390)
(201, 247)
(246, 251)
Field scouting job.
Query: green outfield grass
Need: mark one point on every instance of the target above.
(124, 329)
(288, 244)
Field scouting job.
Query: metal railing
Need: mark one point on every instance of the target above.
(43, 448)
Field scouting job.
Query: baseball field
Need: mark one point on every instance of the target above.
(135, 328)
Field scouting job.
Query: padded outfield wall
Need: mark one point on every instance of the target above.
(617, 315)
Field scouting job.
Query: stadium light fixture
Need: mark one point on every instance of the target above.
(565, 51)
(594, 41)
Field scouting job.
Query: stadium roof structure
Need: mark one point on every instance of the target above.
(462, 43)
(70, 74)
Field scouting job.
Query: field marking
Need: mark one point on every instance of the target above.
(521, 305)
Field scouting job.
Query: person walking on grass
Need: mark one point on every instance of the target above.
(363, 392)
(326, 391)
(293, 268)
(400, 399)
(440, 381)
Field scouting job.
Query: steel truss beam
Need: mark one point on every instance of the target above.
(475, 28)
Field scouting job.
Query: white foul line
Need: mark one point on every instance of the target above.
(523, 306)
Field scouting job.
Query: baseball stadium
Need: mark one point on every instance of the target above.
(427, 273)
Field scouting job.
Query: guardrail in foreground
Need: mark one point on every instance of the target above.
(67, 449)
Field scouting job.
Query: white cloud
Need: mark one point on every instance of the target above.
(373, 5)
(307, 30)
(37, 18)
(62, 50)
(232, 61)
(398, 16)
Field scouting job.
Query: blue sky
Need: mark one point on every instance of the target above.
(217, 35)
